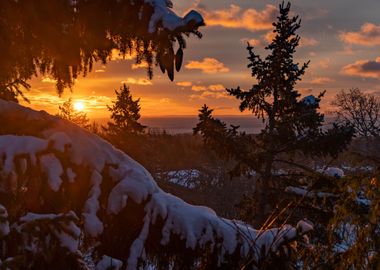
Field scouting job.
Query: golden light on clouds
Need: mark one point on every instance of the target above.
(234, 17)
(139, 81)
(208, 65)
(369, 35)
(363, 68)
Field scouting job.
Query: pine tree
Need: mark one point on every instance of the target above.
(68, 112)
(125, 113)
(293, 125)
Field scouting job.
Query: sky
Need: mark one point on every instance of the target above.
(341, 38)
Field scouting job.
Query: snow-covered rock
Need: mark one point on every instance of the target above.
(64, 151)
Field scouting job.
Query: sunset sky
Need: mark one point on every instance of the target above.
(341, 39)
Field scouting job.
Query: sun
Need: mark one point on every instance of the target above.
(79, 106)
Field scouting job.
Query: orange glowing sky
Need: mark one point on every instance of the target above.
(340, 38)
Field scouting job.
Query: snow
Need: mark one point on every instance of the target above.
(53, 168)
(302, 191)
(184, 178)
(11, 146)
(62, 143)
(332, 171)
(4, 223)
(170, 21)
(70, 175)
(68, 235)
(309, 100)
(109, 263)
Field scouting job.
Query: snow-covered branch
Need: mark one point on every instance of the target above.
(60, 167)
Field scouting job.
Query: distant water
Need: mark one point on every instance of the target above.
(185, 124)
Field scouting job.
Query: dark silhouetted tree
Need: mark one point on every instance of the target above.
(125, 113)
(293, 125)
(360, 109)
(125, 131)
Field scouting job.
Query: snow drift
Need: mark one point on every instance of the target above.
(61, 168)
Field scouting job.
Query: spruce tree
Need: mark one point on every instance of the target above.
(125, 113)
(293, 125)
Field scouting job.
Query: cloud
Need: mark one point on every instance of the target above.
(140, 81)
(363, 68)
(208, 65)
(216, 87)
(197, 88)
(269, 36)
(324, 63)
(212, 91)
(211, 95)
(369, 35)
(252, 41)
(164, 100)
(249, 19)
(184, 84)
(308, 42)
(211, 87)
(321, 80)
(100, 71)
(304, 41)
(116, 55)
(48, 80)
(140, 65)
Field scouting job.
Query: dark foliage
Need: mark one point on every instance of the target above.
(293, 126)
(63, 39)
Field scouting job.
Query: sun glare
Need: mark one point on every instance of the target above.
(79, 106)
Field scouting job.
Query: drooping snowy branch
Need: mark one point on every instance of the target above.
(75, 169)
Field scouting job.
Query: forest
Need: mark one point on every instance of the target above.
(302, 193)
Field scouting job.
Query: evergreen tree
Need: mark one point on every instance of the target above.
(68, 112)
(293, 125)
(125, 113)
(125, 131)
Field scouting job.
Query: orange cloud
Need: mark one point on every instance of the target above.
(324, 63)
(139, 81)
(369, 35)
(184, 84)
(211, 87)
(234, 17)
(269, 36)
(210, 95)
(208, 65)
(216, 87)
(363, 68)
(140, 65)
(116, 55)
(197, 88)
(48, 80)
(252, 41)
(305, 42)
(321, 80)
